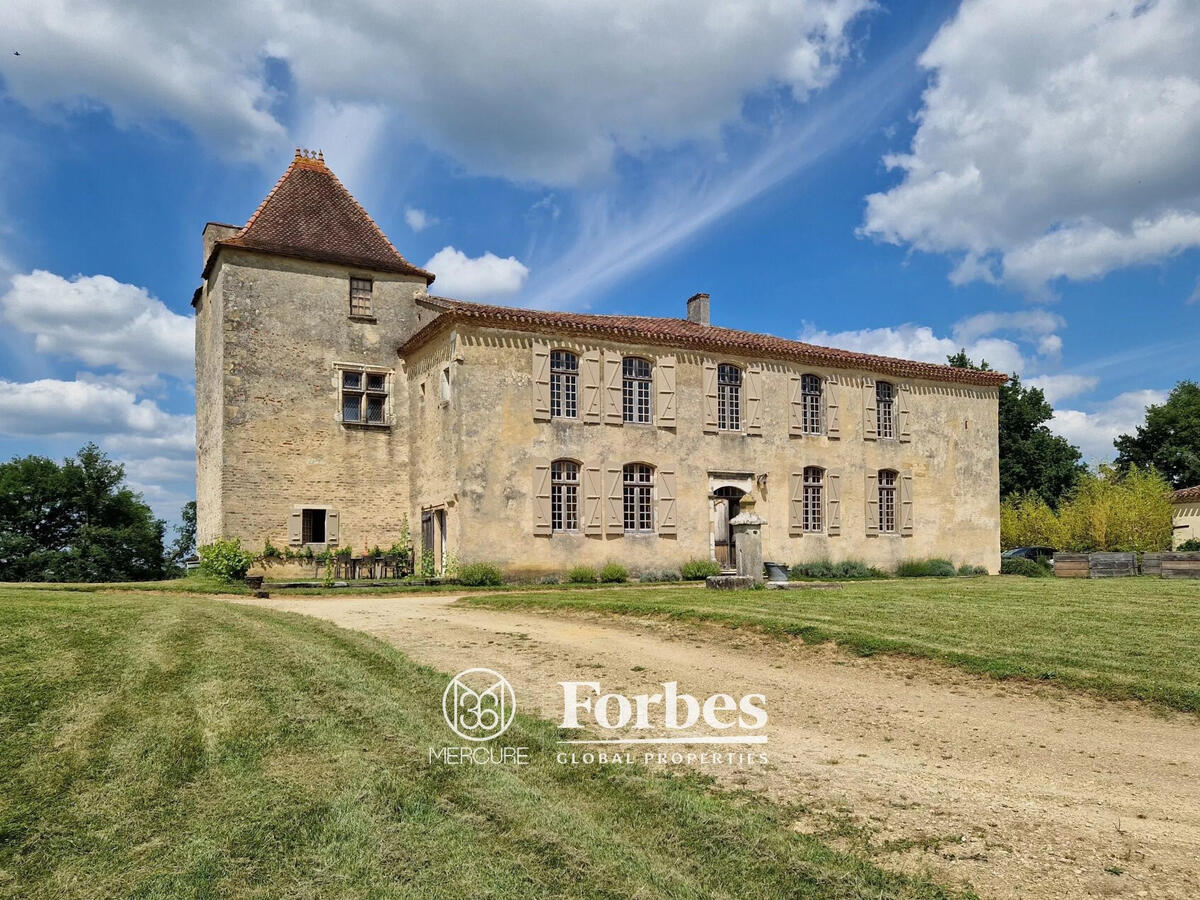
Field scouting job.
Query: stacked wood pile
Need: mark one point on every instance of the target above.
(1181, 565)
(1112, 565)
(1152, 564)
(1071, 565)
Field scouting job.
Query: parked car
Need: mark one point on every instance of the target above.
(1037, 554)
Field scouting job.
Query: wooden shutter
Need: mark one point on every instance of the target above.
(589, 409)
(870, 411)
(612, 387)
(795, 405)
(833, 503)
(614, 505)
(593, 510)
(541, 497)
(906, 503)
(754, 399)
(541, 382)
(664, 380)
(832, 413)
(904, 412)
(332, 527)
(710, 395)
(666, 502)
(873, 503)
(295, 528)
(796, 503)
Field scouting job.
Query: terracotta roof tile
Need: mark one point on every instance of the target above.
(1187, 495)
(689, 335)
(309, 214)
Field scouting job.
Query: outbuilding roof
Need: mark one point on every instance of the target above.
(309, 214)
(688, 335)
(1187, 495)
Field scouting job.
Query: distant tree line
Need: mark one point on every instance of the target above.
(78, 521)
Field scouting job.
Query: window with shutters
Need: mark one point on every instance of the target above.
(638, 481)
(887, 501)
(564, 385)
(814, 506)
(364, 396)
(885, 410)
(312, 526)
(729, 398)
(360, 297)
(810, 404)
(636, 385)
(564, 495)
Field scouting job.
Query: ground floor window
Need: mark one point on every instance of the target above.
(564, 495)
(887, 501)
(814, 478)
(312, 526)
(639, 511)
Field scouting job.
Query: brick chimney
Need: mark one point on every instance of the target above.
(697, 309)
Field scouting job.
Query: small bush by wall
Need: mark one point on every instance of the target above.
(479, 574)
(926, 568)
(699, 569)
(1188, 546)
(831, 571)
(1026, 567)
(582, 575)
(225, 559)
(967, 570)
(614, 573)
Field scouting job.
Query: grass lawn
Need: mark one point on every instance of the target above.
(1119, 637)
(169, 746)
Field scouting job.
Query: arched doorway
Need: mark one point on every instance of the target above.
(727, 502)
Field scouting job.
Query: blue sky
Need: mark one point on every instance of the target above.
(1019, 179)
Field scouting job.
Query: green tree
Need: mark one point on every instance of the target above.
(75, 522)
(185, 535)
(1169, 441)
(1032, 458)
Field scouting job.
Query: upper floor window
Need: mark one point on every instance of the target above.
(814, 483)
(729, 397)
(564, 385)
(638, 479)
(885, 409)
(635, 390)
(887, 501)
(364, 397)
(360, 297)
(564, 495)
(810, 399)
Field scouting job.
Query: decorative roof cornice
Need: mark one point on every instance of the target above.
(683, 334)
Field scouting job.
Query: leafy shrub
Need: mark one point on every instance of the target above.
(428, 564)
(965, 569)
(614, 573)
(225, 559)
(479, 574)
(549, 579)
(582, 575)
(1188, 545)
(829, 571)
(926, 568)
(699, 569)
(657, 577)
(1015, 565)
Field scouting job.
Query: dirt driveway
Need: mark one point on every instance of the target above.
(1021, 791)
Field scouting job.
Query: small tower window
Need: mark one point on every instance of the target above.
(360, 297)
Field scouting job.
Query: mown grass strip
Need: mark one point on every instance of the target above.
(1121, 638)
(163, 746)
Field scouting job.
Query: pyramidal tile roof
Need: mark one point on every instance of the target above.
(309, 214)
(688, 335)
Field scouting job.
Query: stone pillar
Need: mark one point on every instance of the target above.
(747, 529)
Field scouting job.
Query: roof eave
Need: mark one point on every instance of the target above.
(402, 268)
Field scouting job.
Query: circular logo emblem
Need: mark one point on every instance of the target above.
(479, 704)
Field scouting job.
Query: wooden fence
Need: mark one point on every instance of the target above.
(1123, 565)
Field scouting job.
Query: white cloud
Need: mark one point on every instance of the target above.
(50, 407)
(919, 342)
(481, 276)
(101, 322)
(1060, 387)
(1056, 140)
(1195, 295)
(550, 93)
(1049, 345)
(1094, 432)
(417, 219)
(1029, 323)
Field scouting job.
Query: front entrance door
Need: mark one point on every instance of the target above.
(433, 537)
(727, 504)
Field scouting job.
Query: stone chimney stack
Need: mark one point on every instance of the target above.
(214, 232)
(697, 309)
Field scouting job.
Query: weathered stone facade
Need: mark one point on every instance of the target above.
(467, 439)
